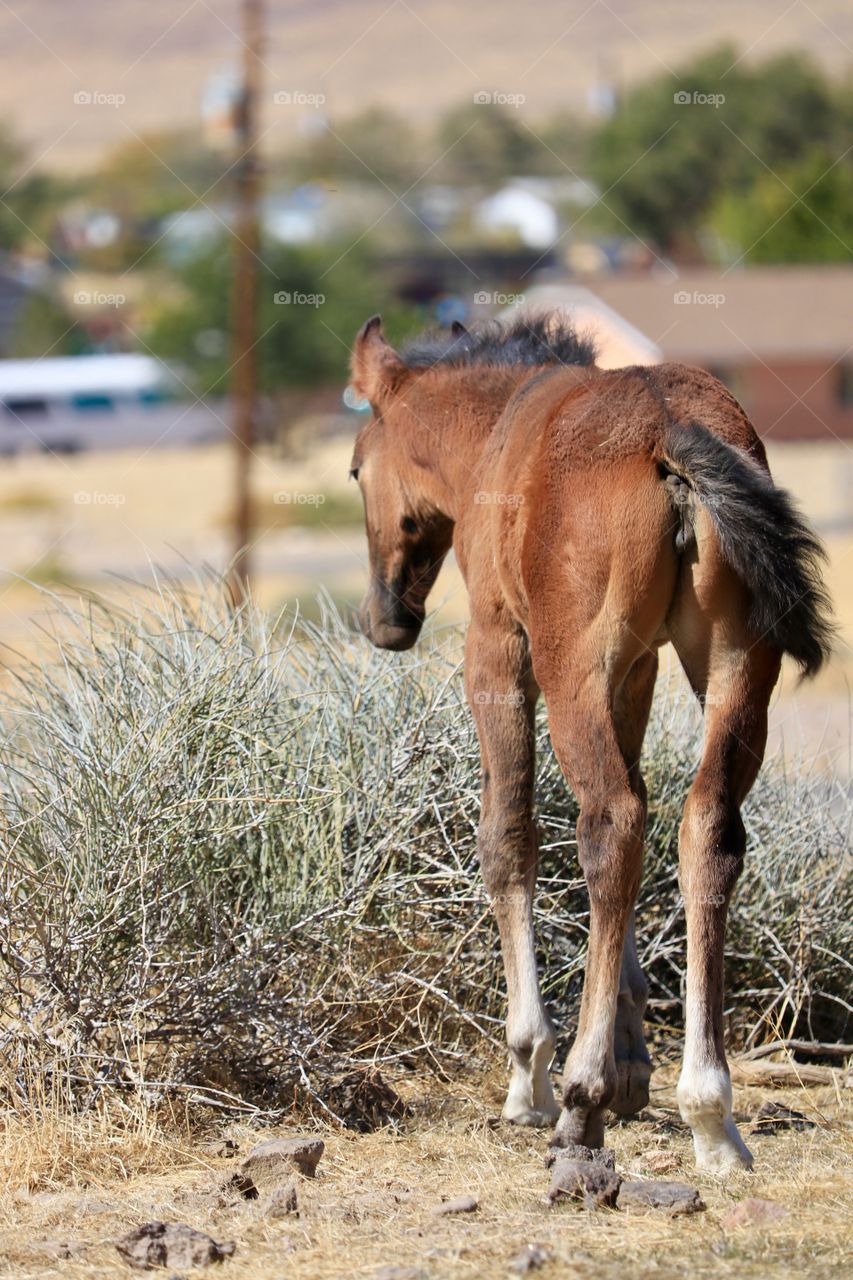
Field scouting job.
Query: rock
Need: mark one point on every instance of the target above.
(772, 1117)
(531, 1258)
(281, 1201)
(171, 1244)
(220, 1148)
(585, 1180)
(275, 1160)
(459, 1204)
(675, 1198)
(752, 1212)
(661, 1161)
(238, 1186)
(598, 1155)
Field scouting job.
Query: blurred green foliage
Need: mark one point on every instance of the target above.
(27, 197)
(45, 327)
(147, 177)
(673, 151)
(308, 315)
(802, 213)
(373, 146)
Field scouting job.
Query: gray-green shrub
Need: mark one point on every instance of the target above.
(239, 853)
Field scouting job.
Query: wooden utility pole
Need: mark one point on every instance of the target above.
(244, 369)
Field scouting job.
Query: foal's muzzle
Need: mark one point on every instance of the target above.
(387, 621)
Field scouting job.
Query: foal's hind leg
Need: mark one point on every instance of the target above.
(610, 841)
(735, 676)
(632, 705)
(503, 694)
(633, 1064)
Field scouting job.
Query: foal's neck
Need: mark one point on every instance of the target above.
(447, 438)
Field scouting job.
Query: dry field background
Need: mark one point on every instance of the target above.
(432, 56)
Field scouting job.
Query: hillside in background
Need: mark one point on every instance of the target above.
(419, 57)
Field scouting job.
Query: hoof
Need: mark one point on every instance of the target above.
(723, 1158)
(632, 1087)
(579, 1127)
(719, 1147)
(531, 1118)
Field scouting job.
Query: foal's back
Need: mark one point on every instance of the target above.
(584, 525)
(585, 416)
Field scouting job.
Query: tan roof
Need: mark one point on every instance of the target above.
(618, 342)
(707, 316)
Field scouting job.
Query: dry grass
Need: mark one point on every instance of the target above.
(82, 1183)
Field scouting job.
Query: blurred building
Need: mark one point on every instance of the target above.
(780, 337)
(520, 213)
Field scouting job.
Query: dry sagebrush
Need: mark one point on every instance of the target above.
(239, 861)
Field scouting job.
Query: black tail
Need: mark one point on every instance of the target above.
(766, 541)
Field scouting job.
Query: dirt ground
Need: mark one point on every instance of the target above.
(70, 1189)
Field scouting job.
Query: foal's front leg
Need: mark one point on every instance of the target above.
(503, 695)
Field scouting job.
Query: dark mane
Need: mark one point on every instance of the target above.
(546, 339)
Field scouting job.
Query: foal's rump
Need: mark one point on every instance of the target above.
(655, 487)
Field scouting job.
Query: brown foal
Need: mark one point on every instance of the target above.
(595, 516)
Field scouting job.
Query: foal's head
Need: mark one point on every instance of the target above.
(433, 408)
(408, 536)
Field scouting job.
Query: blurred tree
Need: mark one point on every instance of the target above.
(564, 142)
(11, 158)
(36, 201)
(28, 200)
(677, 144)
(309, 316)
(140, 182)
(486, 143)
(805, 214)
(44, 327)
(376, 145)
(147, 177)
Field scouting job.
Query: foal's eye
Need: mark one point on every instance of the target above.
(408, 525)
(353, 475)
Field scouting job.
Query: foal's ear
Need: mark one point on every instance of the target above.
(376, 368)
(458, 329)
